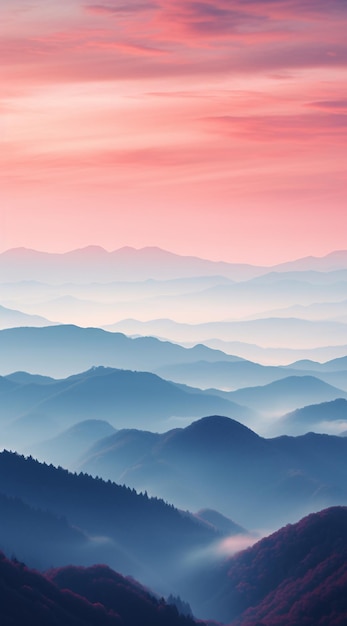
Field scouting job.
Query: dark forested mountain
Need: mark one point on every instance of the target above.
(218, 463)
(38, 536)
(296, 576)
(75, 596)
(136, 534)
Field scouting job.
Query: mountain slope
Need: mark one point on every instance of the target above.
(232, 376)
(63, 350)
(333, 261)
(39, 537)
(131, 263)
(316, 416)
(32, 412)
(136, 534)
(220, 464)
(272, 332)
(11, 318)
(99, 265)
(287, 394)
(296, 576)
(73, 596)
(66, 448)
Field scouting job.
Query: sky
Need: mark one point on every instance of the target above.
(215, 129)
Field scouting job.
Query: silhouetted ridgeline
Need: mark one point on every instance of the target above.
(217, 462)
(310, 416)
(188, 297)
(66, 349)
(131, 532)
(66, 448)
(30, 412)
(125, 263)
(96, 596)
(86, 499)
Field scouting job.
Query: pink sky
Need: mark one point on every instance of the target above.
(217, 129)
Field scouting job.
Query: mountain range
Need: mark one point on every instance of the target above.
(53, 517)
(297, 309)
(286, 394)
(195, 301)
(270, 331)
(10, 318)
(33, 410)
(229, 425)
(295, 576)
(34, 407)
(127, 262)
(63, 350)
(229, 375)
(219, 463)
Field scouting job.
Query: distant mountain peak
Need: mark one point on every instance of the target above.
(221, 522)
(215, 425)
(88, 250)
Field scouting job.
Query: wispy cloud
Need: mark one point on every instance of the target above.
(288, 127)
(329, 105)
(130, 7)
(199, 38)
(209, 104)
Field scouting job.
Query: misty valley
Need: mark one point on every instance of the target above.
(173, 440)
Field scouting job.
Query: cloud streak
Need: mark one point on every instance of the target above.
(239, 104)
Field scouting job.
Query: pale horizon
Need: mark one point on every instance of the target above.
(95, 247)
